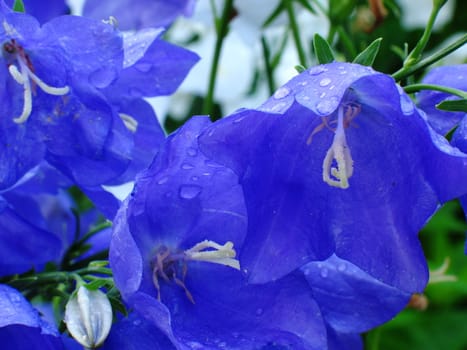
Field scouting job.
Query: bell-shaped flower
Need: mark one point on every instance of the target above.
(174, 254)
(339, 161)
(21, 327)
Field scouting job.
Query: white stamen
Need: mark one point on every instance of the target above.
(130, 122)
(340, 152)
(23, 79)
(16, 74)
(221, 254)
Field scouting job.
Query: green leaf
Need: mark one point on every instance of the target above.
(307, 5)
(18, 6)
(273, 16)
(367, 56)
(299, 68)
(323, 51)
(453, 105)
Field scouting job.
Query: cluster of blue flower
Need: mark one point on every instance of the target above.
(290, 226)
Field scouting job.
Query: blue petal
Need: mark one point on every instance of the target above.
(21, 327)
(450, 76)
(351, 300)
(132, 14)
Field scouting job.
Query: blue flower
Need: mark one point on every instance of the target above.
(174, 257)
(139, 14)
(450, 76)
(339, 161)
(21, 327)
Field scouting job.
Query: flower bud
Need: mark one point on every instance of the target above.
(88, 316)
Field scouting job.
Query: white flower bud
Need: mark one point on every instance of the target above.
(88, 316)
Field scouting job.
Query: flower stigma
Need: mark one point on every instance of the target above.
(172, 266)
(23, 75)
(339, 152)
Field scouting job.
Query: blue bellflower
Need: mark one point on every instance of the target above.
(50, 101)
(21, 327)
(174, 257)
(131, 14)
(339, 161)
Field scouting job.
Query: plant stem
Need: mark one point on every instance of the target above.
(267, 65)
(407, 71)
(222, 30)
(295, 33)
(417, 87)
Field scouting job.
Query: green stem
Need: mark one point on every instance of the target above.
(373, 339)
(221, 34)
(416, 53)
(407, 71)
(295, 33)
(417, 87)
(267, 65)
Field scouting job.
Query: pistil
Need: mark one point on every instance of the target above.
(340, 153)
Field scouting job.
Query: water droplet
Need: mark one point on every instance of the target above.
(324, 272)
(191, 151)
(317, 70)
(259, 311)
(143, 67)
(189, 191)
(322, 95)
(212, 164)
(341, 267)
(327, 106)
(163, 180)
(282, 92)
(102, 77)
(342, 72)
(195, 178)
(187, 166)
(325, 82)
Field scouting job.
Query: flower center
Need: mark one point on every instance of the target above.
(172, 266)
(338, 162)
(23, 76)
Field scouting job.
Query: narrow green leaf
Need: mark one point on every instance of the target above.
(367, 56)
(277, 11)
(453, 105)
(323, 51)
(18, 6)
(299, 68)
(307, 5)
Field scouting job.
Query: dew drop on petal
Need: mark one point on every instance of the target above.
(324, 272)
(189, 191)
(259, 311)
(195, 178)
(282, 92)
(341, 267)
(191, 151)
(325, 82)
(187, 166)
(317, 70)
(162, 180)
(327, 106)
